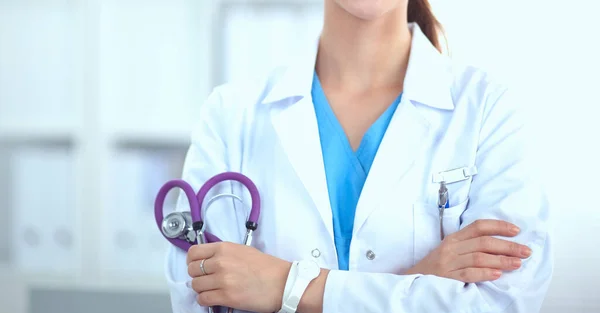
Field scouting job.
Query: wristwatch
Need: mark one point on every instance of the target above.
(301, 274)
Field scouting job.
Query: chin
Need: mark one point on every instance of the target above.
(368, 9)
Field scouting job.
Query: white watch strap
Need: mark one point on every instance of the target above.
(291, 303)
(296, 286)
(290, 281)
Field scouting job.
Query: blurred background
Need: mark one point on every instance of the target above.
(97, 99)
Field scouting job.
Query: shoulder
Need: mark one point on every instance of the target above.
(495, 110)
(234, 108)
(478, 85)
(483, 93)
(243, 95)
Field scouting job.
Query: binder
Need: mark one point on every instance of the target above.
(43, 210)
(151, 69)
(132, 242)
(38, 51)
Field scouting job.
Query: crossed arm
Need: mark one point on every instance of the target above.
(244, 278)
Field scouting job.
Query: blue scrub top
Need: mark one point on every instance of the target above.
(346, 170)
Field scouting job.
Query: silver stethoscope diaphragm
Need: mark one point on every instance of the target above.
(176, 224)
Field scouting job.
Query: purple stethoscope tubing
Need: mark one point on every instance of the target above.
(196, 201)
(160, 202)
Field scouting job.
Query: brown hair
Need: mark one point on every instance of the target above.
(419, 11)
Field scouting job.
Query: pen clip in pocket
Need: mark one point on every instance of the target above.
(449, 177)
(455, 175)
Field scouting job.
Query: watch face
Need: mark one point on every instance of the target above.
(309, 269)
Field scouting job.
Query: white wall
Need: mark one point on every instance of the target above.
(548, 51)
(76, 77)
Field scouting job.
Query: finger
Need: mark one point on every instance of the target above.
(493, 245)
(486, 228)
(211, 298)
(205, 283)
(202, 251)
(475, 275)
(211, 266)
(484, 260)
(195, 268)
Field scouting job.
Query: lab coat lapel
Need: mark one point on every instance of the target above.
(403, 142)
(297, 129)
(293, 117)
(427, 89)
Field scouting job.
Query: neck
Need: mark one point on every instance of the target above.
(362, 55)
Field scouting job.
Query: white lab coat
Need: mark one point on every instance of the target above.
(450, 116)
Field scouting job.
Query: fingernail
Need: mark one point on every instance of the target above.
(515, 230)
(497, 273)
(516, 263)
(526, 252)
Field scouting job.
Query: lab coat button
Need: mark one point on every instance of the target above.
(370, 255)
(316, 253)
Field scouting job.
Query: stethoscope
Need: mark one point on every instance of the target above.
(184, 229)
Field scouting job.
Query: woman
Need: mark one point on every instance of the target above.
(349, 146)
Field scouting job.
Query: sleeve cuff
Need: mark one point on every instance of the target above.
(357, 291)
(333, 290)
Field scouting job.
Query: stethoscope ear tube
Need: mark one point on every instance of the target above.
(160, 201)
(252, 222)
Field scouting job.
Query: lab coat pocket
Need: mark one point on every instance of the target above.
(427, 226)
(183, 298)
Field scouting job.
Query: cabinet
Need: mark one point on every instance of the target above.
(97, 101)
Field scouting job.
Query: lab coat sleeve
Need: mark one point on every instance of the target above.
(206, 157)
(505, 188)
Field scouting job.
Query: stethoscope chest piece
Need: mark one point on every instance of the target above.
(178, 225)
(186, 228)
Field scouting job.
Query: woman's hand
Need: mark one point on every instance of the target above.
(237, 276)
(471, 255)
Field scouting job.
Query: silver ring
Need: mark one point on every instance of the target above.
(202, 267)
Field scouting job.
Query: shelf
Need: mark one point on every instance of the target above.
(32, 130)
(151, 136)
(135, 284)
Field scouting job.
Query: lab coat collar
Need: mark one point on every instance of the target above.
(428, 78)
(296, 80)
